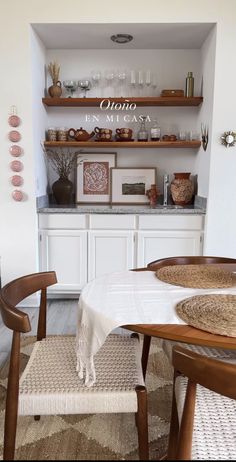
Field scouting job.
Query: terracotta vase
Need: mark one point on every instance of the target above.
(62, 190)
(181, 189)
(55, 90)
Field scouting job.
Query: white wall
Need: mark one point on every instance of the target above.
(18, 243)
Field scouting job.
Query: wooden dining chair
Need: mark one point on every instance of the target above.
(168, 344)
(203, 418)
(50, 384)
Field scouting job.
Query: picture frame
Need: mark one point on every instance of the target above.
(93, 177)
(129, 185)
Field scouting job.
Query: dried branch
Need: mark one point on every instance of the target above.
(62, 162)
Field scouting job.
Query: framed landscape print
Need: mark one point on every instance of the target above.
(93, 177)
(129, 185)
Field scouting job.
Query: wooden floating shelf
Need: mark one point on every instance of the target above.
(124, 144)
(147, 101)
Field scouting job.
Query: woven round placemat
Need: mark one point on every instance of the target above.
(213, 313)
(196, 276)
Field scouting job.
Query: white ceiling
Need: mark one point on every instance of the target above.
(146, 36)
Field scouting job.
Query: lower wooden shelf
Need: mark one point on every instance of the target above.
(124, 144)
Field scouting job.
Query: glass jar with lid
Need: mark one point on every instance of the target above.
(143, 133)
(155, 131)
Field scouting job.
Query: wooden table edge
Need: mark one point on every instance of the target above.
(185, 334)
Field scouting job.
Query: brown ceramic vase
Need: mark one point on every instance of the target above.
(181, 189)
(62, 190)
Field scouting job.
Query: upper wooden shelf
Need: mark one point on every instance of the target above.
(124, 144)
(147, 101)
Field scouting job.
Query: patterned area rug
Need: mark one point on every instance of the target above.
(94, 437)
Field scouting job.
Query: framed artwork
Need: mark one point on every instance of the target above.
(93, 177)
(129, 185)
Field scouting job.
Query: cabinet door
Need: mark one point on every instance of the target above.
(109, 251)
(162, 244)
(65, 251)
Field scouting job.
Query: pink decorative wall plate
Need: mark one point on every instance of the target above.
(15, 150)
(14, 121)
(17, 195)
(14, 136)
(16, 165)
(17, 180)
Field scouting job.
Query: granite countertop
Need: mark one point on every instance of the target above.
(198, 208)
(123, 209)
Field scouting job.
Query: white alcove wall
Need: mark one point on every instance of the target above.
(170, 67)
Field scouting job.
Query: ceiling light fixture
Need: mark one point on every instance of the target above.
(121, 38)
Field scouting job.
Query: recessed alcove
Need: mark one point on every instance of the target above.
(169, 50)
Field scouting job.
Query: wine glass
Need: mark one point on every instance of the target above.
(121, 75)
(154, 83)
(109, 77)
(85, 85)
(96, 77)
(70, 86)
(133, 81)
(148, 80)
(140, 82)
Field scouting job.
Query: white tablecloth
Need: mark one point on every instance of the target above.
(127, 297)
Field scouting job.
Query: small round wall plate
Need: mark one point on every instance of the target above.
(17, 180)
(14, 136)
(16, 165)
(17, 195)
(14, 120)
(15, 150)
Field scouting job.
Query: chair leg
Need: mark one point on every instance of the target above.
(142, 423)
(174, 426)
(11, 412)
(145, 353)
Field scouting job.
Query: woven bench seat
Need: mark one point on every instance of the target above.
(50, 383)
(214, 431)
(217, 353)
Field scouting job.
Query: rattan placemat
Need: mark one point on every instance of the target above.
(213, 313)
(197, 276)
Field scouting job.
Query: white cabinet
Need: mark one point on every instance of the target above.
(82, 247)
(168, 236)
(109, 251)
(65, 251)
(110, 244)
(63, 248)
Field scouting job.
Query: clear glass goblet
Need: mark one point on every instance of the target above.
(85, 85)
(70, 86)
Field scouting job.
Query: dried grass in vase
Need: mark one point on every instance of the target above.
(54, 70)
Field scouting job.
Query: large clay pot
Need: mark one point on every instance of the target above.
(55, 90)
(181, 189)
(62, 190)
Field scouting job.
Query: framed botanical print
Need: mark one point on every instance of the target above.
(129, 185)
(93, 176)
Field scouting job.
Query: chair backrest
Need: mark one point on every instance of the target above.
(215, 375)
(188, 260)
(16, 291)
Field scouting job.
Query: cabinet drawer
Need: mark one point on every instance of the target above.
(62, 221)
(112, 221)
(170, 222)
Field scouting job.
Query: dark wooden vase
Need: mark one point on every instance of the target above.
(62, 190)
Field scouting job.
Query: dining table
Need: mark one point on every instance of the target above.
(140, 302)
